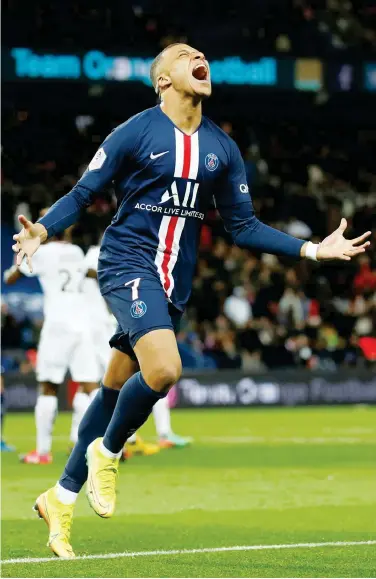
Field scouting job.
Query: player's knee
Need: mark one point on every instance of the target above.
(162, 377)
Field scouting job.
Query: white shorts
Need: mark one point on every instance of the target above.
(61, 349)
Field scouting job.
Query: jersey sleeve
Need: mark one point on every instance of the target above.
(234, 203)
(102, 169)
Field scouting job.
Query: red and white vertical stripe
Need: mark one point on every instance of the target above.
(168, 249)
(186, 155)
(171, 228)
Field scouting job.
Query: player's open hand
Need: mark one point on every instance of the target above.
(335, 246)
(28, 240)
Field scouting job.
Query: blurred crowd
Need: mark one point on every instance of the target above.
(301, 27)
(247, 310)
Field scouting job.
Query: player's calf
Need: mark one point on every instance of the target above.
(80, 404)
(45, 414)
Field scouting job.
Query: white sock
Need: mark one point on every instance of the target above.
(45, 414)
(162, 417)
(65, 496)
(108, 453)
(132, 439)
(92, 394)
(80, 403)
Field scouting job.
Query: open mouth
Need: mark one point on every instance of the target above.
(200, 72)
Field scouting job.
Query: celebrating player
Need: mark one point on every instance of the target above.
(65, 341)
(167, 163)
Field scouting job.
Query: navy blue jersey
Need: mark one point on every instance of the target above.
(165, 181)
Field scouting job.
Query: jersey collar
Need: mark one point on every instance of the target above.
(160, 111)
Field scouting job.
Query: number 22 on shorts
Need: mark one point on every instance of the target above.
(134, 283)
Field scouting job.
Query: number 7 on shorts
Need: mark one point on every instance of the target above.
(134, 283)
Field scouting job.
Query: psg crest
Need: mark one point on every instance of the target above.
(211, 161)
(138, 309)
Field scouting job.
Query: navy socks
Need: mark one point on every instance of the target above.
(135, 403)
(93, 425)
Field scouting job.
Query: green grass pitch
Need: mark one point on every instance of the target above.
(253, 477)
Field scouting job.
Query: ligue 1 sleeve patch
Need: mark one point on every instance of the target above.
(98, 160)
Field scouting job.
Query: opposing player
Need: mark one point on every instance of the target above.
(101, 327)
(65, 341)
(166, 163)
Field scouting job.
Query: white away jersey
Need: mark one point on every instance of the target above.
(61, 270)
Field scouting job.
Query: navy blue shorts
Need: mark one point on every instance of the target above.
(139, 307)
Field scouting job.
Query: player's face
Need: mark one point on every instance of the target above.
(188, 70)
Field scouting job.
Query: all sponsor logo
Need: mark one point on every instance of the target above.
(180, 202)
(188, 200)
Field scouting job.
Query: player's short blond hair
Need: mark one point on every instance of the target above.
(155, 66)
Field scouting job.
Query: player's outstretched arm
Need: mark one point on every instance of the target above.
(250, 233)
(235, 207)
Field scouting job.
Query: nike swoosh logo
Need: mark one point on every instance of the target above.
(152, 156)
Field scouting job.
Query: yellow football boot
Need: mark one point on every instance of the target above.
(58, 518)
(140, 447)
(101, 480)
